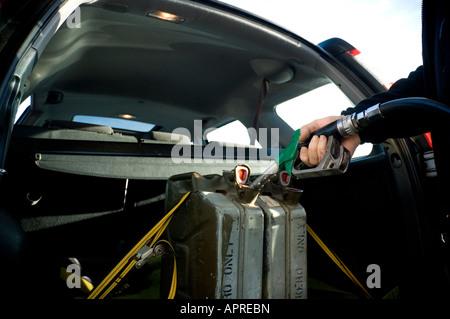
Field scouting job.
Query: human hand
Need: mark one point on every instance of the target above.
(312, 155)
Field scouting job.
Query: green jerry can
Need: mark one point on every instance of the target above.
(233, 242)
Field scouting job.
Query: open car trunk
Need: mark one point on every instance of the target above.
(372, 215)
(83, 194)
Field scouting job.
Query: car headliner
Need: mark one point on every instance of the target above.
(209, 67)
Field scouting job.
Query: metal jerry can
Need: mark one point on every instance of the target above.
(232, 242)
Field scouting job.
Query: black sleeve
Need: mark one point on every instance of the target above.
(413, 86)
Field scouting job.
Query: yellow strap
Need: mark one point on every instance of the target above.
(118, 279)
(338, 262)
(173, 286)
(156, 231)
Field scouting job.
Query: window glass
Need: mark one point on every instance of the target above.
(234, 133)
(123, 124)
(22, 108)
(321, 102)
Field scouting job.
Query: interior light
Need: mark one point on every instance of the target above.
(127, 116)
(166, 16)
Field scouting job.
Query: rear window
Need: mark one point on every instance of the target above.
(324, 101)
(233, 133)
(318, 103)
(23, 107)
(123, 124)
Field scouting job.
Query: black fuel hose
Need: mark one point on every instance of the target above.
(415, 115)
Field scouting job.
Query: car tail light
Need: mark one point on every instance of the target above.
(353, 52)
(356, 54)
(429, 140)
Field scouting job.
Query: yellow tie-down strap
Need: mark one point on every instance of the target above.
(338, 262)
(128, 262)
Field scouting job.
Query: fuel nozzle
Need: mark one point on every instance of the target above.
(350, 124)
(423, 115)
(353, 123)
(336, 158)
(262, 179)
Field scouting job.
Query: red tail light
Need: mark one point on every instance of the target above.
(353, 52)
(429, 140)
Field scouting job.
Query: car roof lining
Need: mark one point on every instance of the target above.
(200, 69)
